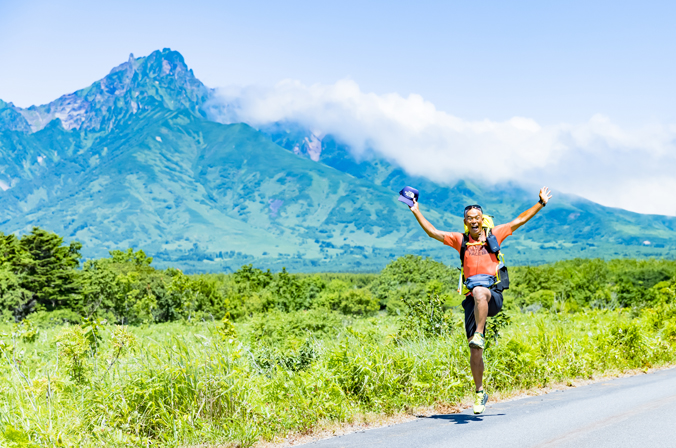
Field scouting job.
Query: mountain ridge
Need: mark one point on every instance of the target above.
(128, 88)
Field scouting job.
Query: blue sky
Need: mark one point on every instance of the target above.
(551, 61)
(556, 63)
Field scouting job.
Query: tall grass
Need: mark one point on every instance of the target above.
(179, 384)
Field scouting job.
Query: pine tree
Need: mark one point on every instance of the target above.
(47, 268)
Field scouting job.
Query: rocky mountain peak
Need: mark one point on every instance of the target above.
(161, 79)
(11, 118)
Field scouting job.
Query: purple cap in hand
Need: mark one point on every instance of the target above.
(407, 194)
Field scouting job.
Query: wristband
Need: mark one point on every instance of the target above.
(542, 202)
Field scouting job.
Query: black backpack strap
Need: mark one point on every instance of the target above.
(463, 249)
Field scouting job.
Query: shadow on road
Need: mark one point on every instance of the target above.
(463, 419)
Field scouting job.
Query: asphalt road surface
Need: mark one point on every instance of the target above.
(636, 411)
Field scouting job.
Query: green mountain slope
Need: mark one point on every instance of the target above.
(132, 162)
(570, 226)
(191, 190)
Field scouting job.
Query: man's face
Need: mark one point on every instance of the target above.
(473, 220)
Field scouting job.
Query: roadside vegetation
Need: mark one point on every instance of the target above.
(113, 352)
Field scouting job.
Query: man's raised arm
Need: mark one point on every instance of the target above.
(523, 218)
(425, 224)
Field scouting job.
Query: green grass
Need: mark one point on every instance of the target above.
(178, 384)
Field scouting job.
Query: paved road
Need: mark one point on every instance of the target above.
(636, 411)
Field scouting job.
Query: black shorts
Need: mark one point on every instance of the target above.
(494, 307)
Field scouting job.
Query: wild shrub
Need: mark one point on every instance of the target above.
(358, 302)
(246, 292)
(26, 331)
(255, 279)
(226, 330)
(91, 329)
(7, 345)
(330, 295)
(290, 330)
(312, 286)
(663, 292)
(287, 291)
(656, 317)
(125, 289)
(191, 298)
(122, 342)
(668, 332)
(495, 325)
(543, 298)
(75, 352)
(625, 344)
(339, 296)
(16, 438)
(514, 363)
(270, 357)
(389, 377)
(122, 288)
(411, 272)
(424, 314)
(634, 280)
(49, 319)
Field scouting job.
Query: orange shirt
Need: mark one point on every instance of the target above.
(477, 258)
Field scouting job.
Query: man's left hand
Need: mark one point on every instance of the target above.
(545, 194)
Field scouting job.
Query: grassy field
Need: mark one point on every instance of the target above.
(183, 384)
(118, 353)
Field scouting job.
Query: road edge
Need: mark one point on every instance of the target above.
(367, 422)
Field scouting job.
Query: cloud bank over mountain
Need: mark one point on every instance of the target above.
(599, 160)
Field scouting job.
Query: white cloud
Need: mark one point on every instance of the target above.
(628, 168)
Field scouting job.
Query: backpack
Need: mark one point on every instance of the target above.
(491, 243)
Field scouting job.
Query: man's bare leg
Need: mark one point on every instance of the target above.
(476, 361)
(481, 298)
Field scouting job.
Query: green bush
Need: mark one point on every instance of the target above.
(411, 273)
(340, 296)
(669, 331)
(75, 348)
(56, 318)
(268, 357)
(292, 329)
(543, 298)
(424, 314)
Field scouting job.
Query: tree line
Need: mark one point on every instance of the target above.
(46, 279)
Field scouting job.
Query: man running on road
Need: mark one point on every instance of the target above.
(479, 266)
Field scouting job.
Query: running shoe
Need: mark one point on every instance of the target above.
(480, 400)
(477, 341)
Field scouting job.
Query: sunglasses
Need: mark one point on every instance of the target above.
(476, 206)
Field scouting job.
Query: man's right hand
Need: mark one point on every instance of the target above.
(415, 206)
